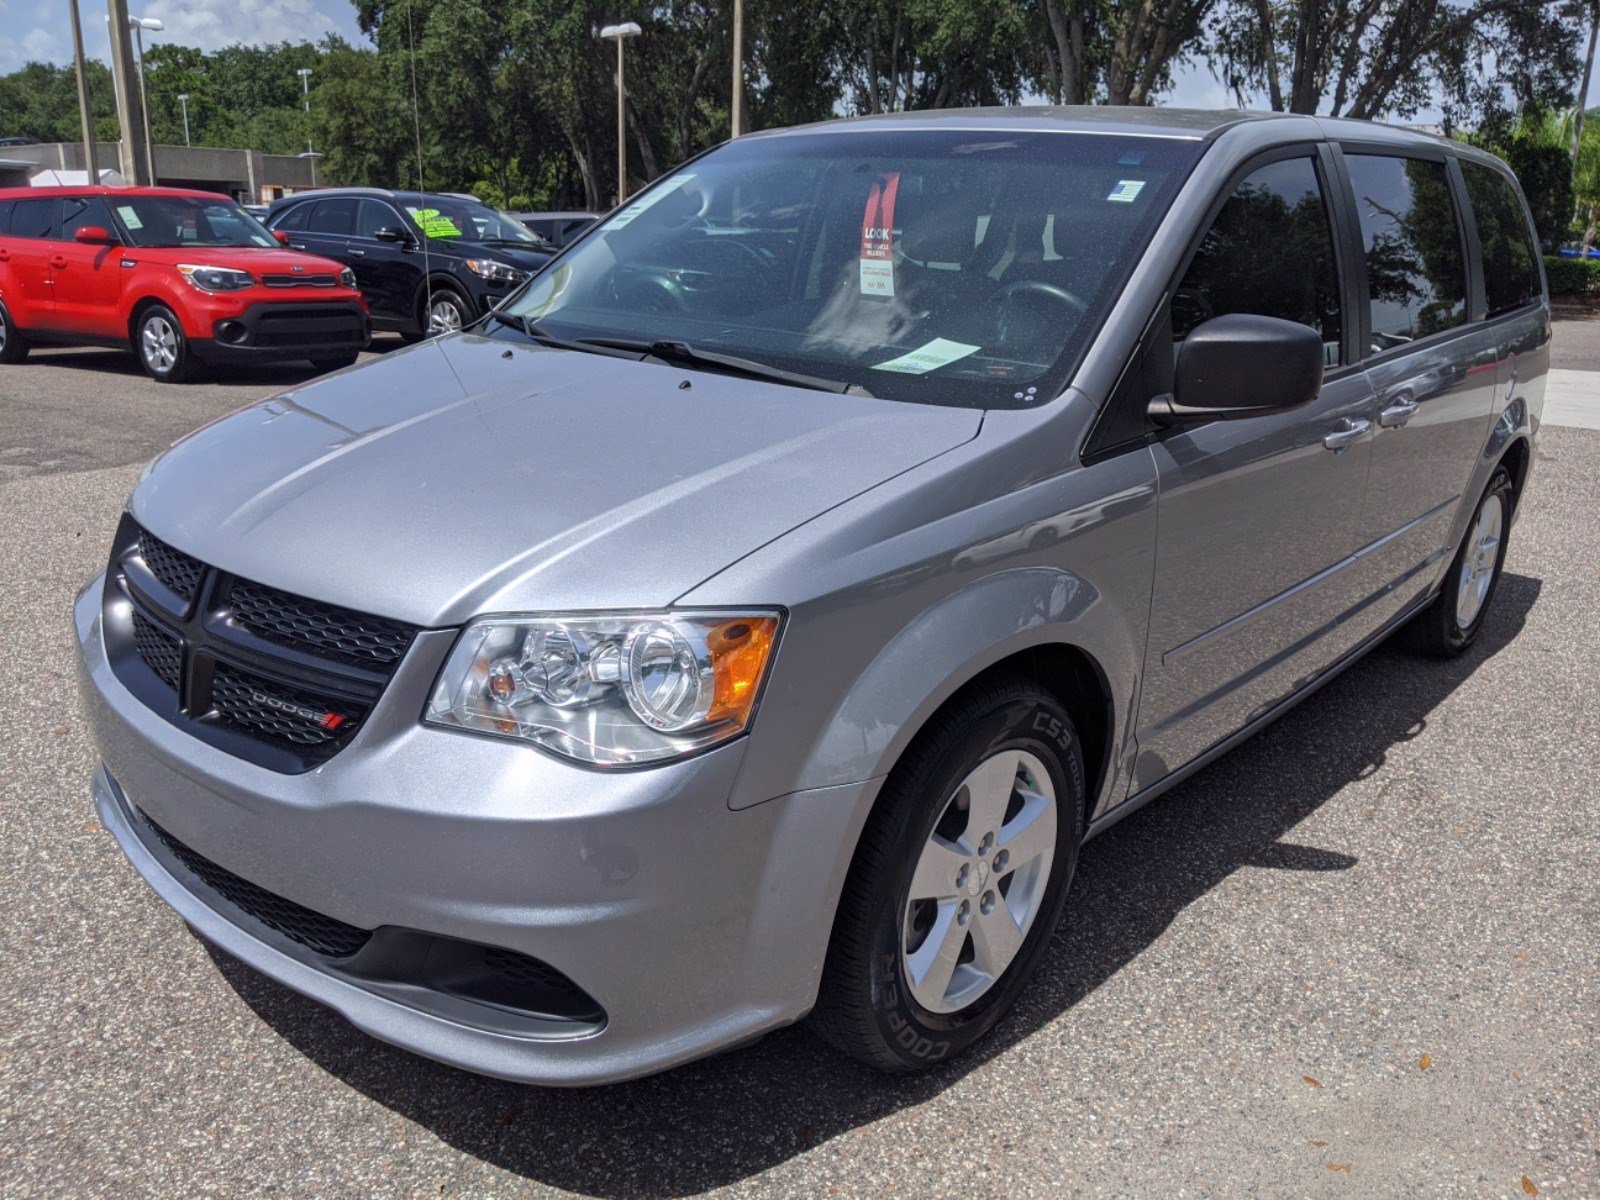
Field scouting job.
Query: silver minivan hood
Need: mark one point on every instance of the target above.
(475, 475)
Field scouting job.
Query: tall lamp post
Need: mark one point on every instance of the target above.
(737, 113)
(85, 115)
(305, 92)
(139, 25)
(183, 99)
(620, 34)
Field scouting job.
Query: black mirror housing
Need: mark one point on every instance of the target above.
(1242, 365)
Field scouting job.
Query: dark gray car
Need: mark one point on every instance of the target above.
(755, 615)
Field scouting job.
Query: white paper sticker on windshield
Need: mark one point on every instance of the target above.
(647, 201)
(1127, 190)
(129, 217)
(937, 353)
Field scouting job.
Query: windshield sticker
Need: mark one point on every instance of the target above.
(647, 201)
(1127, 190)
(937, 353)
(434, 224)
(129, 217)
(877, 237)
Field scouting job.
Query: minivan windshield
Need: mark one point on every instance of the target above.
(964, 267)
(188, 221)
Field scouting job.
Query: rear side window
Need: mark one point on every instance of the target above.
(1510, 259)
(333, 216)
(1270, 253)
(1416, 274)
(34, 218)
(294, 219)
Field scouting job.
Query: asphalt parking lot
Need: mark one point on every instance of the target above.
(1359, 956)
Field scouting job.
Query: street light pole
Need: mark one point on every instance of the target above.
(305, 91)
(139, 25)
(619, 34)
(738, 68)
(134, 160)
(85, 117)
(183, 99)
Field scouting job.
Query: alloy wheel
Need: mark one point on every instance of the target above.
(159, 343)
(979, 881)
(2, 330)
(1479, 563)
(444, 316)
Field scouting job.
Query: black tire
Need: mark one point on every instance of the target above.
(324, 365)
(1437, 631)
(440, 298)
(13, 345)
(865, 1006)
(161, 347)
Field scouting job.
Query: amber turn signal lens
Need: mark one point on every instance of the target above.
(739, 650)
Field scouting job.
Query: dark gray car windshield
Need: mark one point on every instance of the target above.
(961, 267)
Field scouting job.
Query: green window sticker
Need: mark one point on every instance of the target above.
(938, 353)
(434, 224)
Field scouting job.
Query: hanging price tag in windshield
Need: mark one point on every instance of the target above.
(877, 237)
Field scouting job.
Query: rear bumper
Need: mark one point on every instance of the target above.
(692, 927)
(286, 330)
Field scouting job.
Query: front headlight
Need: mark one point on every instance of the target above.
(347, 279)
(608, 690)
(216, 279)
(495, 272)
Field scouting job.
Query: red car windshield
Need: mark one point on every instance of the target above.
(188, 221)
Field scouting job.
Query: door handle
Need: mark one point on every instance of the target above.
(1353, 431)
(1398, 413)
(297, 245)
(58, 260)
(358, 254)
(5, 256)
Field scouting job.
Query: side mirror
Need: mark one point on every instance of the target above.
(94, 235)
(1242, 365)
(393, 233)
(283, 238)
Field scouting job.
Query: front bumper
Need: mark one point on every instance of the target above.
(694, 927)
(286, 329)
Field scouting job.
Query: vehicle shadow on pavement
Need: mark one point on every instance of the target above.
(713, 1123)
(108, 361)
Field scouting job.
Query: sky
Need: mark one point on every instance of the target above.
(39, 29)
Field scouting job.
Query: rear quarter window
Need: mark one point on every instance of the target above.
(1510, 258)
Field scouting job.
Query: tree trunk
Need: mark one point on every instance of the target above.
(1269, 54)
(1067, 31)
(1583, 91)
(1588, 233)
(647, 155)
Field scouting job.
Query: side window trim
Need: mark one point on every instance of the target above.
(1347, 146)
(1097, 445)
(1467, 219)
(1515, 185)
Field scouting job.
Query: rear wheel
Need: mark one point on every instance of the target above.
(13, 345)
(1452, 622)
(958, 881)
(162, 349)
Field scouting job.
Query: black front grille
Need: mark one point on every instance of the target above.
(278, 679)
(297, 324)
(317, 628)
(161, 652)
(276, 713)
(286, 281)
(311, 929)
(175, 569)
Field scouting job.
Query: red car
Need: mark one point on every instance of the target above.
(182, 277)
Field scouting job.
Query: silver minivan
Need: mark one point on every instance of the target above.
(755, 615)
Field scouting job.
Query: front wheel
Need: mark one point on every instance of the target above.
(446, 312)
(958, 881)
(13, 345)
(1452, 622)
(162, 349)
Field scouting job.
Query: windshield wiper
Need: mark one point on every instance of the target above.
(530, 330)
(686, 355)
